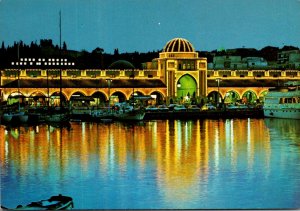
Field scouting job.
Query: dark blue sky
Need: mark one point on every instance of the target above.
(146, 25)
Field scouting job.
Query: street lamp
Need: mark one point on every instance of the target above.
(218, 99)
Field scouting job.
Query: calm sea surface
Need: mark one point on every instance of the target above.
(209, 164)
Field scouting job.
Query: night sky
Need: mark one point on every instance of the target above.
(146, 25)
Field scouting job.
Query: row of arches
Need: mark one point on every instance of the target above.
(232, 96)
(77, 98)
(99, 98)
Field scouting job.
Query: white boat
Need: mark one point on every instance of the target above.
(283, 102)
(128, 112)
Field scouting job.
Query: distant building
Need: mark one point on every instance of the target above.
(289, 59)
(238, 63)
(228, 62)
(255, 62)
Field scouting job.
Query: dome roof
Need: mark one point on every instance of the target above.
(178, 45)
(121, 65)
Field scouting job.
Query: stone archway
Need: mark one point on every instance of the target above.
(262, 95)
(55, 98)
(214, 96)
(118, 97)
(186, 88)
(158, 97)
(15, 98)
(99, 98)
(249, 97)
(37, 99)
(231, 97)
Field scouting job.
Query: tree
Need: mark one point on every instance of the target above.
(2, 46)
(64, 46)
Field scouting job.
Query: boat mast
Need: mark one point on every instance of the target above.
(19, 78)
(133, 87)
(60, 74)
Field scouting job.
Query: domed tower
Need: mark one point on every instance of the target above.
(184, 73)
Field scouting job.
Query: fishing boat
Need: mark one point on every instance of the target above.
(283, 102)
(59, 202)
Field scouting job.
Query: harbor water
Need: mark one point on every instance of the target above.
(158, 164)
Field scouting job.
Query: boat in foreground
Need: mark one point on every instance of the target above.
(283, 102)
(59, 202)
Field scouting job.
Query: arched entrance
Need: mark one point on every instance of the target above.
(262, 96)
(231, 97)
(118, 97)
(16, 98)
(99, 99)
(186, 89)
(80, 100)
(55, 99)
(37, 99)
(213, 97)
(158, 98)
(249, 97)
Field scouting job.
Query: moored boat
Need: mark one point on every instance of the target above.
(15, 117)
(59, 202)
(7, 117)
(57, 115)
(102, 114)
(129, 112)
(283, 102)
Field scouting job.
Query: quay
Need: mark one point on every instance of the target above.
(161, 115)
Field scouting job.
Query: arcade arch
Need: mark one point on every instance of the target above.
(99, 98)
(214, 97)
(262, 95)
(16, 97)
(118, 97)
(37, 99)
(231, 97)
(158, 98)
(249, 97)
(55, 98)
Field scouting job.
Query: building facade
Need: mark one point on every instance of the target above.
(179, 75)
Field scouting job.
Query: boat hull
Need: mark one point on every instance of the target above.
(282, 113)
(56, 118)
(130, 116)
(7, 117)
(283, 102)
(18, 117)
(54, 203)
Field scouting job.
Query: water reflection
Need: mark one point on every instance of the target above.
(181, 164)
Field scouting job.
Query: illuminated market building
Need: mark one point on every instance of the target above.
(179, 75)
